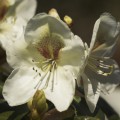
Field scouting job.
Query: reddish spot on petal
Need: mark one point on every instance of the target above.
(50, 46)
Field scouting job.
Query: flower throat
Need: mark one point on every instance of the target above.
(50, 46)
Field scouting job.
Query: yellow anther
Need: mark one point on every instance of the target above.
(53, 12)
(68, 20)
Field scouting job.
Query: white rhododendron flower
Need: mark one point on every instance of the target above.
(19, 8)
(14, 14)
(49, 58)
(101, 73)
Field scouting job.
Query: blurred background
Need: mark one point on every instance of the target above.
(84, 14)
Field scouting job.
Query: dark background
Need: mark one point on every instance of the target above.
(84, 14)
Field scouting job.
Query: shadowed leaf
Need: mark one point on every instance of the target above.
(55, 115)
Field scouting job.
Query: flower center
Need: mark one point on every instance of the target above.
(50, 46)
(99, 66)
(4, 4)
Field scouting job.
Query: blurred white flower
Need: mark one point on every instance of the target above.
(50, 58)
(14, 14)
(101, 73)
(113, 99)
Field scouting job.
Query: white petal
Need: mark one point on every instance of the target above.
(108, 88)
(17, 57)
(16, 47)
(94, 35)
(113, 99)
(11, 2)
(12, 40)
(63, 89)
(20, 86)
(11, 30)
(106, 35)
(55, 26)
(91, 95)
(17, 53)
(72, 57)
(23, 8)
(26, 9)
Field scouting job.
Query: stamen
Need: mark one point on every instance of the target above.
(92, 68)
(47, 61)
(49, 74)
(68, 20)
(96, 64)
(47, 81)
(54, 67)
(105, 66)
(44, 67)
(53, 12)
(55, 76)
(96, 57)
(35, 76)
(46, 64)
(40, 81)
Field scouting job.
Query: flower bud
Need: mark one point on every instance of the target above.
(38, 105)
(29, 104)
(35, 115)
(41, 106)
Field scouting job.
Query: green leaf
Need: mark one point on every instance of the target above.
(17, 116)
(12, 113)
(114, 117)
(5, 115)
(100, 115)
(2, 101)
(85, 118)
(19, 113)
(77, 99)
